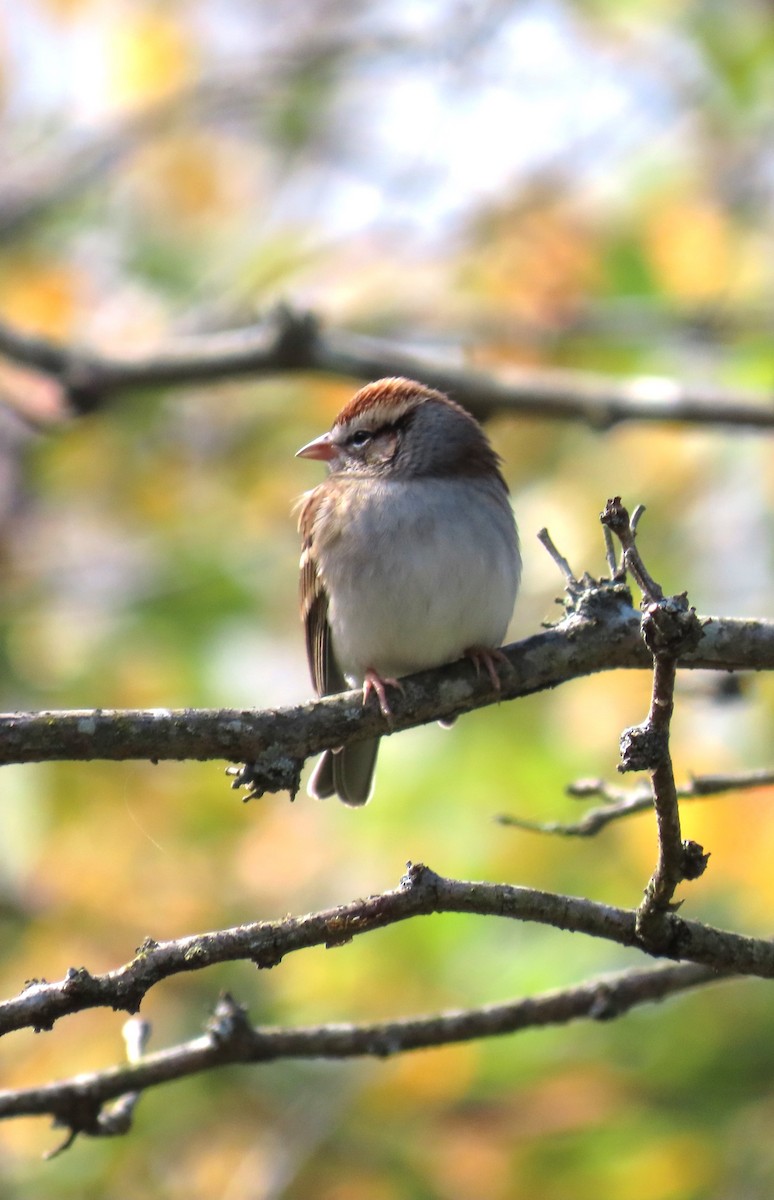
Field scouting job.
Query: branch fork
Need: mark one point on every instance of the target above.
(670, 629)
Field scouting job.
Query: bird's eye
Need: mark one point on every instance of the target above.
(358, 439)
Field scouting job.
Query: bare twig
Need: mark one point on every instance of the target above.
(544, 537)
(82, 1115)
(78, 1103)
(620, 803)
(610, 557)
(639, 799)
(291, 342)
(637, 515)
(716, 785)
(615, 518)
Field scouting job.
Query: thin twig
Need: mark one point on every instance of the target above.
(716, 785)
(544, 537)
(82, 1115)
(616, 518)
(610, 556)
(620, 803)
(77, 1103)
(637, 515)
(596, 819)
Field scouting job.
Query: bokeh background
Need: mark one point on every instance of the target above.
(547, 183)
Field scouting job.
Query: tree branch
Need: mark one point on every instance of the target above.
(291, 342)
(78, 1103)
(420, 893)
(599, 632)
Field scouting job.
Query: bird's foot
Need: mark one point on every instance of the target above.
(373, 682)
(486, 657)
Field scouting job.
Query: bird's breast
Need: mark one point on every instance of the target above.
(417, 572)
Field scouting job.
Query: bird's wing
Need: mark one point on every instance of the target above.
(326, 673)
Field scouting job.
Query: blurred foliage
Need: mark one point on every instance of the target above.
(574, 184)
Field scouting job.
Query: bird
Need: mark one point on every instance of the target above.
(410, 555)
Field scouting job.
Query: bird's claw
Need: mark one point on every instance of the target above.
(373, 682)
(487, 657)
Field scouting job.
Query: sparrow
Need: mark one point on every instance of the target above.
(410, 555)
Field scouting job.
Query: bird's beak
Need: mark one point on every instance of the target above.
(321, 448)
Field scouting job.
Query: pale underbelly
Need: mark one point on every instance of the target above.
(397, 621)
